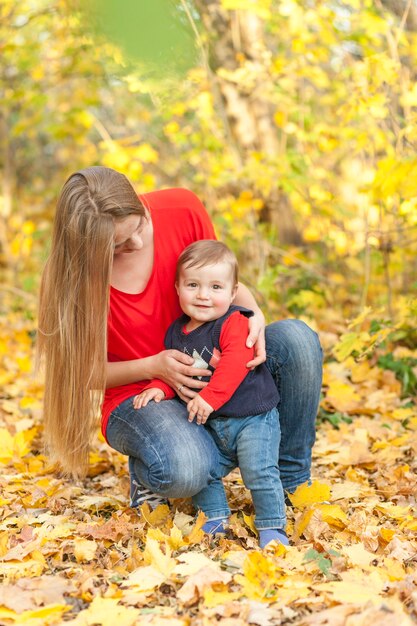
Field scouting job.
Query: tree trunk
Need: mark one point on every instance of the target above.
(237, 43)
(404, 9)
(7, 191)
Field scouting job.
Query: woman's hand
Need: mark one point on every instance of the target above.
(175, 368)
(256, 338)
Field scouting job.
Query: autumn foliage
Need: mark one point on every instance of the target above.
(296, 125)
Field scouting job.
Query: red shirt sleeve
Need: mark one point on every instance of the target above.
(159, 384)
(231, 370)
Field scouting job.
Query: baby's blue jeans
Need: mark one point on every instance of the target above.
(252, 444)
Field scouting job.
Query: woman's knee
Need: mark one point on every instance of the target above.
(293, 339)
(180, 477)
(172, 456)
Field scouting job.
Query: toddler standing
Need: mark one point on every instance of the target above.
(238, 406)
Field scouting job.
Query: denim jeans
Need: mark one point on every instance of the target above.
(176, 458)
(252, 444)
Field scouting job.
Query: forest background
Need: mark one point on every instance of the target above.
(295, 123)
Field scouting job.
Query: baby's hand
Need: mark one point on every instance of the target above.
(199, 409)
(143, 398)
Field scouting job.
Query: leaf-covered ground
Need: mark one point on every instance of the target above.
(76, 553)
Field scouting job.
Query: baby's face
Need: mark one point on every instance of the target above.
(206, 293)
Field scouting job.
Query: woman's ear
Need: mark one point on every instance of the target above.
(176, 288)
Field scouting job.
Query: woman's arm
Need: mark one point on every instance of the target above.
(256, 336)
(171, 366)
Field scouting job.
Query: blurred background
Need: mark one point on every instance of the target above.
(293, 121)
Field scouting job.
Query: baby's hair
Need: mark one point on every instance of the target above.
(207, 252)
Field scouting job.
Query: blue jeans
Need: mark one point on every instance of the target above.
(252, 444)
(176, 458)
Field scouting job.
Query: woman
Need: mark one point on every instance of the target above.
(107, 298)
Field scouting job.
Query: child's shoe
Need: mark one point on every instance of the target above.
(215, 527)
(267, 535)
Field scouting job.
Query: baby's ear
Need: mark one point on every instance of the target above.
(234, 292)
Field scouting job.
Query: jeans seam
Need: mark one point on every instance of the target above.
(146, 442)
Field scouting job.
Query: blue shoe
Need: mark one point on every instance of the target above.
(272, 534)
(214, 527)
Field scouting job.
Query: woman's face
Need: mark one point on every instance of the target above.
(130, 234)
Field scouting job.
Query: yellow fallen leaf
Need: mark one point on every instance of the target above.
(196, 535)
(260, 577)
(12, 570)
(358, 555)
(44, 615)
(145, 579)
(342, 396)
(156, 517)
(355, 585)
(215, 598)
(250, 523)
(333, 515)
(402, 414)
(153, 555)
(106, 612)
(302, 522)
(409, 524)
(7, 614)
(192, 562)
(346, 489)
(17, 445)
(397, 442)
(305, 494)
(395, 570)
(392, 510)
(387, 533)
(84, 550)
(175, 539)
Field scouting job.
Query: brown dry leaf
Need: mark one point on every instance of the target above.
(356, 615)
(29, 593)
(195, 585)
(335, 616)
(192, 562)
(114, 529)
(84, 550)
(402, 550)
(144, 579)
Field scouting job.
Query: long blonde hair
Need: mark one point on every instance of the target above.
(73, 308)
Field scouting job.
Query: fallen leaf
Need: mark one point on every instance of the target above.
(198, 582)
(306, 494)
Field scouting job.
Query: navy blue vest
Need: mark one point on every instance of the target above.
(256, 394)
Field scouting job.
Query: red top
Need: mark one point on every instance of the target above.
(231, 368)
(138, 322)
